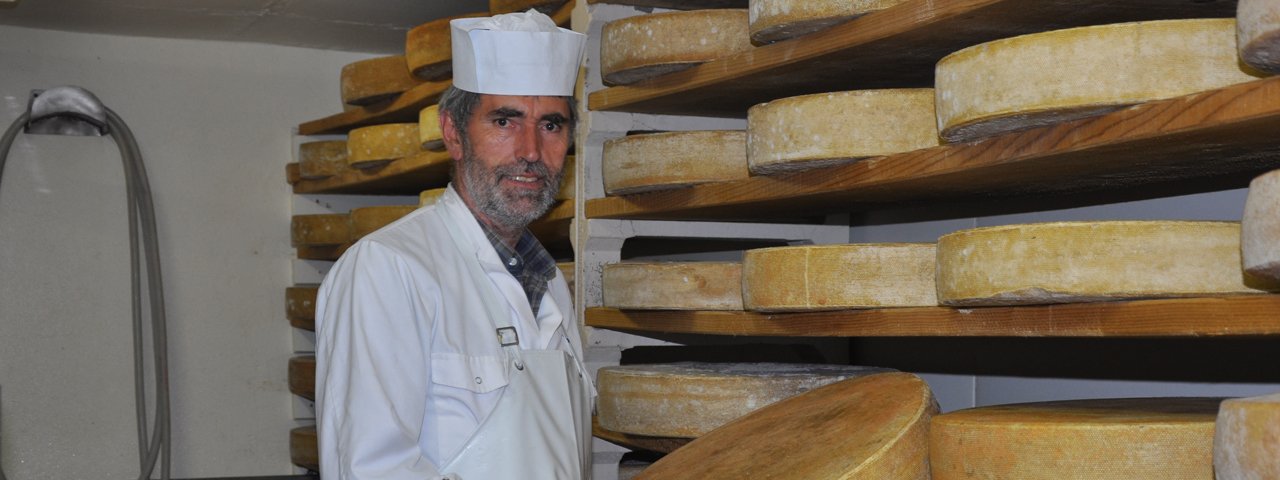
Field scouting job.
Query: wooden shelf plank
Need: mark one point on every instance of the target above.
(892, 48)
(679, 4)
(404, 108)
(637, 442)
(1220, 139)
(1188, 317)
(403, 176)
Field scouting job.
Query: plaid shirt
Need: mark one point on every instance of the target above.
(529, 263)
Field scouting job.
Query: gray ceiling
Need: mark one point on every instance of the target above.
(376, 26)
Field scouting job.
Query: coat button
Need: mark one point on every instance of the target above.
(479, 381)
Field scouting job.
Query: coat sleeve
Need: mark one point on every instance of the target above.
(372, 335)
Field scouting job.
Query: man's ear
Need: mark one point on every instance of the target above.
(449, 130)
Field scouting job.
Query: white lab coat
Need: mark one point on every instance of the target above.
(407, 361)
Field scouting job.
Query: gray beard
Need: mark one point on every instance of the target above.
(504, 207)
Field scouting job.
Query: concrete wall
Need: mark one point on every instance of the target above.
(214, 122)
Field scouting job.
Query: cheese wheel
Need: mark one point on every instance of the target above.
(293, 173)
(871, 428)
(774, 20)
(304, 449)
(429, 129)
(826, 277)
(656, 161)
(688, 399)
(1260, 229)
(430, 197)
(1111, 439)
(636, 48)
(674, 286)
(831, 128)
(366, 220)
(302, 376)
(375, 80)
(378, 144)
(1065, 262)
(428, 49)
(1258, 33)
(1050, 77)
(322, 159)
(1246, 443)
(300, 303)
(568, 183)
(321, 229)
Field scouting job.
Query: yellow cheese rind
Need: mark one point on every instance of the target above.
(1112, 439)
(831, 128)
(429, 133)
(774, 20)
(322, 159)
(872, 427)
(1260, 229)
(300, 302)
(428, 48)
(375, 80)
(366, 220)
(673, 286)
(1066, 262)
(828, 277)
(636, 48)
(320, 230)
(1044, 78)
(430, 197)
(378, 144)
(656, 161)
(1258, 33)
(688, 399)
(1246, 443)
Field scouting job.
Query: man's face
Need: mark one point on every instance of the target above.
(512, 160)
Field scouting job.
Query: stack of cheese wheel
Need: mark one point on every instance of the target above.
(428, 50)
(1113, 439)
(826, 277)
(378, 144)
(830, 128)
(774, 20)
(1246, 444)
(674, 286)
(1066, 262)
(430, 197)
(326, 229)
(300, 306)
(322, 159)
(375, 80)
(1258, 33)
(655, 161)
(636, 48)
(872, 427)
(1050, 77)
(1260, 230)
(366, 220)
(429, 133)
(689, 399)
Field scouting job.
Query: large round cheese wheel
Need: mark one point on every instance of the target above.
(674, 286)
(378, 144)
(774, 20)
(430, 197)
(1246, 443)
(1258, 33)
(689, 399)
(304, 450)
(655, 161)
(636, 48)
(830, 128)
(366, 220)
(300, 303)
(428, 49)
(302, 376)
(429, 133)
(367, 82)
(322, 159)
(875, 428)
(827, 277)
(1112, 439)
(319, 230)
(1050, 77)
(1089, 261)
(1260, 229)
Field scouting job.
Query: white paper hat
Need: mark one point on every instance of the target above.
(515, 54)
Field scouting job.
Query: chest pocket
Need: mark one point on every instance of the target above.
(476, 373)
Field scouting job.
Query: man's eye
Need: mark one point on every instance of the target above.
(552, 127)
(501, 122)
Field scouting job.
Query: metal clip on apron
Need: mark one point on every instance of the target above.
(536, 431)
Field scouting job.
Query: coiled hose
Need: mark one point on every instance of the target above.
(154, 446)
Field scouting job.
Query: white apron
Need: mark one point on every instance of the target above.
(538, 430)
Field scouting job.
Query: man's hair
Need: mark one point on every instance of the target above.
(460, 104)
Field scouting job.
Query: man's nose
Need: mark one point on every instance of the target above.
(529, 145)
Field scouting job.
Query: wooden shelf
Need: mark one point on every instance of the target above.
(679, 4)
(403, 176)
(637, 442)
(892, 48)
(1219, 139)
(1189, 317)
(404, 108)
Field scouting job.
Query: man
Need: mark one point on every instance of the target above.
(446, 343)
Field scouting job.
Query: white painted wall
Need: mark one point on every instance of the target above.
(214, 122)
